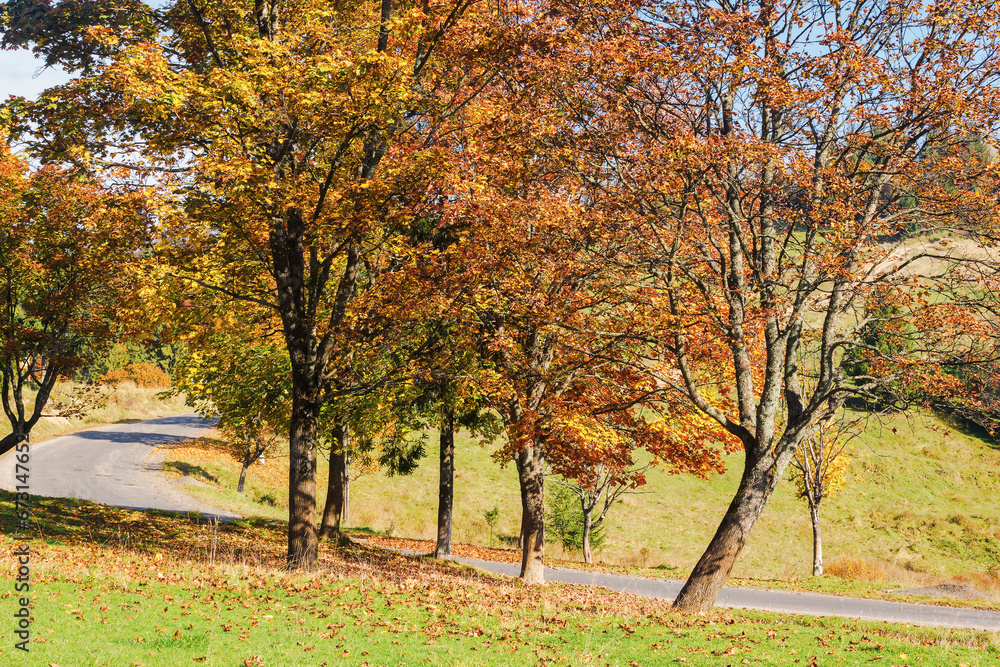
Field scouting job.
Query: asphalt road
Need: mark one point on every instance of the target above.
(112, 465)
(810, 604)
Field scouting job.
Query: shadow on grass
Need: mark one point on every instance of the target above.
(191, 470)
(364, 530)
(971, 429)
(190, 537)
(72, 522)
(206, 444)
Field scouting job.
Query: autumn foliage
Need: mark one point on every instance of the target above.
(66, 271)
(141, 374)
(679, 228)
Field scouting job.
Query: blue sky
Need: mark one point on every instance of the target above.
(21, 74)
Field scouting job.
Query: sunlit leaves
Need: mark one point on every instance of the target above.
(68, 263)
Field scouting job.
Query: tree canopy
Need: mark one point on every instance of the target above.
(67, 273)
(686, 227)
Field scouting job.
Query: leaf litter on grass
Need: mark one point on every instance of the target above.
(118, 587)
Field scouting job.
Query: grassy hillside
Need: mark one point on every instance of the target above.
(921, 501)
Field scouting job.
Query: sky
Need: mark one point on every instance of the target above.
(22, 74)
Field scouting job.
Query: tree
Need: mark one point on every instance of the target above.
(442, 397)
(491, 517)
(564, 519)
(297, 139)
(820, 463)
(538, 286)
(251, 440)
(597, 489)
(68, 263)
(240, 376)
(556, 362)
(375, 434)
(337, 481)
(775, 157)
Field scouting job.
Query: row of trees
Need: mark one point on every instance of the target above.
(613, 226)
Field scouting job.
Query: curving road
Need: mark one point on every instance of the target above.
(112, 465)
(810, 604)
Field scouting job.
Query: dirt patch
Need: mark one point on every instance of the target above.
(958, 591)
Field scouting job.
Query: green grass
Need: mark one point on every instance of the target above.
(378, 623)
(117, 587)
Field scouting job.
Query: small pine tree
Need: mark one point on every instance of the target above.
(565, 520)
(492, 516)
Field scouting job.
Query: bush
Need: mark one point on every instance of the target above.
(121, 356)
(141, 374)
(148, 375)
(565, 519)
(114, 378)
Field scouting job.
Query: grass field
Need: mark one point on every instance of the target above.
(116, 587)
(920, 508)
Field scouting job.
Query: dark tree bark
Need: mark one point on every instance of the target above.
(531, 474)
(446, 490)
(243, 477)
(10, 441)
(336, 490)
(309, 357)
(303, 541)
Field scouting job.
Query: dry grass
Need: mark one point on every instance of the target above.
(870, 570)
(113, 404)
(852, 568)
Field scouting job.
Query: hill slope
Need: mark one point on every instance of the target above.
(922, 498)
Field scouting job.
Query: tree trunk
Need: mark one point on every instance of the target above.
(446, 490)
(10, 441)
(706, 580)
(817, 540)
(243, 477)
(588, 555)
(303, 542)
(345, 515)
(531, 474)
(333, 511)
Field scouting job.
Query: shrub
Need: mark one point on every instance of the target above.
(143, 375)
(148, 375)
(565, 520)
(114, 378)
